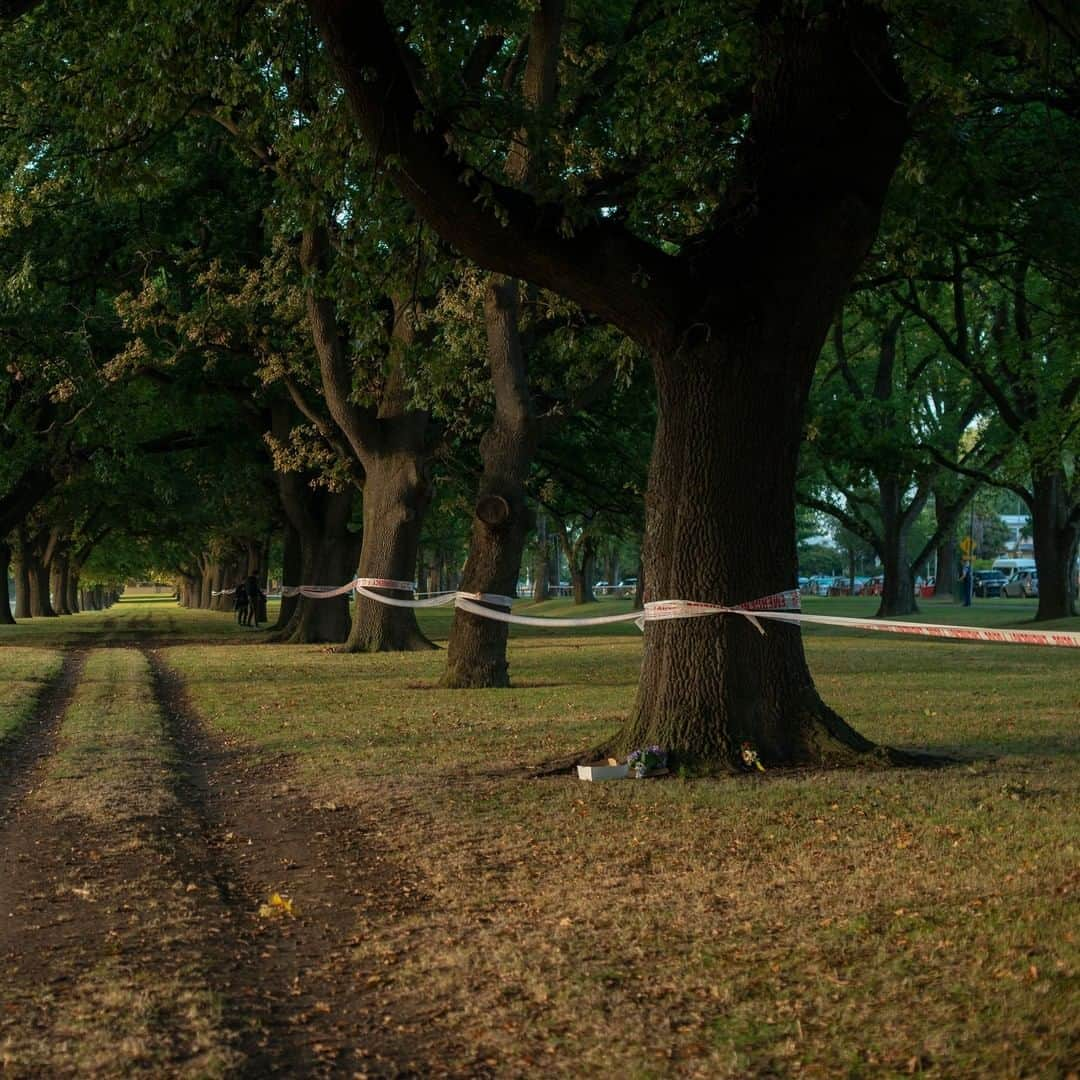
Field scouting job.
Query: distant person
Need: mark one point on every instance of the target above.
(240, 603)
(255, 596)
(967, 581)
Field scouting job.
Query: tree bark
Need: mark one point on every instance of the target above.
(710, 684)
(946, 510)
(58, 582)
(6, 617)
(395, 499)
(327, 557)
(541, 560)
(476, 652)
(291, 568)
(582, 576)
(40, 603)
(22, 585)
(898, 585)
(1055, 522)
(72, 586)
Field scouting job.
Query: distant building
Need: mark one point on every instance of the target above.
(1019, 541)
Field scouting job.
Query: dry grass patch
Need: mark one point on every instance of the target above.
(111, 980)
(815, 924)
(112, 764)
(114, 1022)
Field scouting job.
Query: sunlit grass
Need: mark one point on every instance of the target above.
(23, 675)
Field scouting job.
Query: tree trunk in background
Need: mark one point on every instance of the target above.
(1055, 526)
(948, 569)
(476, 651)
(58, 583)
(396, 497)
(540, 560)
(6, 617)
(582, 576)
(611, 570)
(898, 585)
(327, 557)
(206, 582)
(290, 569)
(72, 586)
(22, 589)
(40, 603)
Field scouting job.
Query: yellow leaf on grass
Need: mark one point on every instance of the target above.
(277, 905)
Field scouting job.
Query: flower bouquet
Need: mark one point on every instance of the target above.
(651, 759)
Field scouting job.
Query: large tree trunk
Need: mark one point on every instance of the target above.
(6, 617)
(476, 653)
(709, 684)
(1055, 526)
(327, 557)
(395, 499)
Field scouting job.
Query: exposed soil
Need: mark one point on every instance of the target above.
(189, 900)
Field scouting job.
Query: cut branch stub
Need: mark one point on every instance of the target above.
(493, 510)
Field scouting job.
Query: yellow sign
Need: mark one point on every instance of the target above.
(967, 546)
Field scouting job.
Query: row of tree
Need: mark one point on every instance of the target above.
(350, 272)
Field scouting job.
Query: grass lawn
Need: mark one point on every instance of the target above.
(850, 923)
(23, 674)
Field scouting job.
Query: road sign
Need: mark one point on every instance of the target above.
(967, 546)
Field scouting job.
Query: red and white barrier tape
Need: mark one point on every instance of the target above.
(1067, 639)
(438, 599)
(782, 607)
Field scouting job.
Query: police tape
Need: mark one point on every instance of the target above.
(781, 607)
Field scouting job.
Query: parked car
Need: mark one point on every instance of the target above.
(989, 582)
(626, 587)
(1024, 583)
(874, 586)
(928, 588)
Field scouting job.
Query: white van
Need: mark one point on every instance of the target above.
(1011, 567)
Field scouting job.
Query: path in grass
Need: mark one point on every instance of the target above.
(139, 932)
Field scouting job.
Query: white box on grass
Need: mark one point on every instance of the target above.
(601, 770)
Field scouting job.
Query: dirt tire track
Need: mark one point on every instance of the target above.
(257, 832)
(23, 752)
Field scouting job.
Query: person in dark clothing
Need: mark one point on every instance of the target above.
(240, 603)
(967, 579)
(255, 598)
